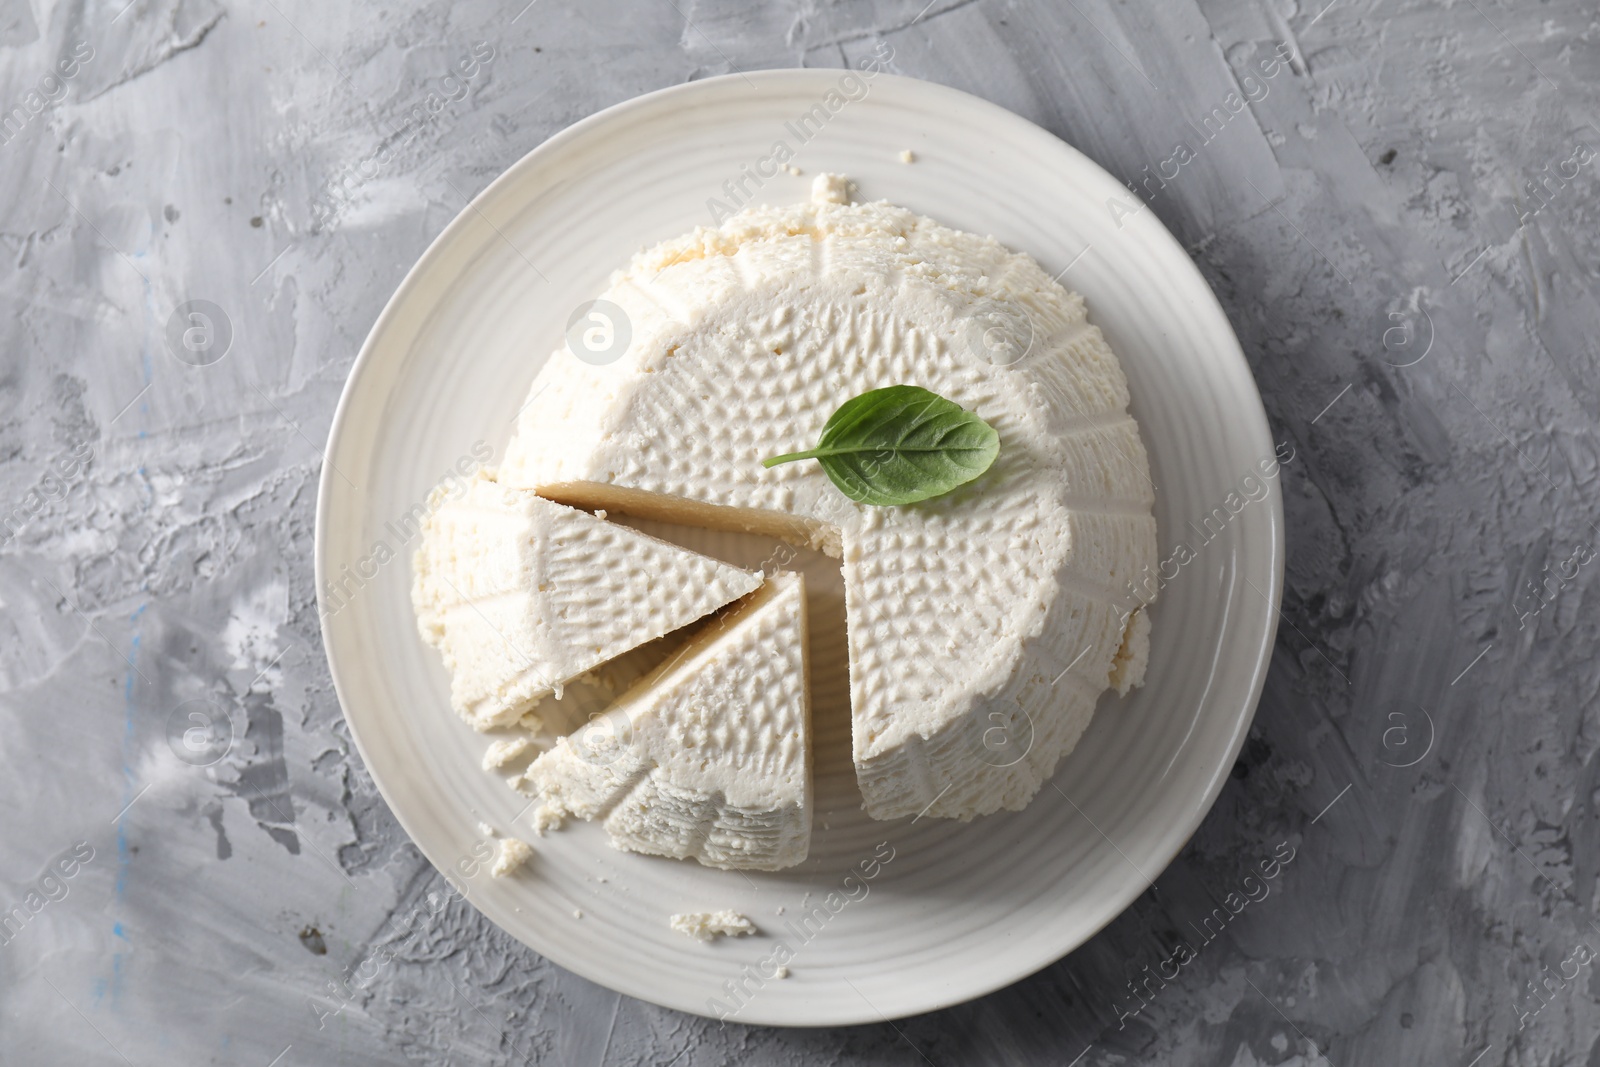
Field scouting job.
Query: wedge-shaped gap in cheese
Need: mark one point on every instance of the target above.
(593, 692)
(521, 594)
(685, 511)
(709, 756)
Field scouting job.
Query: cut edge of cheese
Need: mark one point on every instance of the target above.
(797, 530)
(1128, 667)
(521, 594)
(709, 756)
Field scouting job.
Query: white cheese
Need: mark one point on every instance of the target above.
(521, 595)
(708, 757)
(503, 750)
(962, 611)
(709, 925)
(1127, 668)
(830, 189)
(510, 855)
(543, 820)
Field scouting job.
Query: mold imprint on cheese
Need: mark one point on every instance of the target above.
(709, 756)
(962, 610)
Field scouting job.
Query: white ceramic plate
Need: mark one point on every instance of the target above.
(959, 910)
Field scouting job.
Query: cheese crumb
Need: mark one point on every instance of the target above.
(511, 855)
(600, 513)
(781, 972)
(708, 925)
(908, 156)
(504, 751)
(545, 818)
(796, 171)
(531, 722)
(485, 830)
(830, 189)
(577, 913)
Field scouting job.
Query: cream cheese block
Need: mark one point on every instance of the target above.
(521, 595)
(708, 757)
(964, 610)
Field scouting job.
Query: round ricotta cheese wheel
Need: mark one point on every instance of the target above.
(985, 624)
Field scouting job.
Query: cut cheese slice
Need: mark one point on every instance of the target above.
(708, 757)
(521, 595)
(966, 611)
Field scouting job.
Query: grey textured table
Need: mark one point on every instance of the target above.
(1401, 224)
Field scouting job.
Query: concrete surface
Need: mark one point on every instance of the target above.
(1402, 226)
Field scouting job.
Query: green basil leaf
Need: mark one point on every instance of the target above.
(900, 445)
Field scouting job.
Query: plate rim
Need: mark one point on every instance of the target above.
(1251, 408)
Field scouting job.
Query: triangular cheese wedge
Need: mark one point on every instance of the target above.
(521, 595)
(708, 757)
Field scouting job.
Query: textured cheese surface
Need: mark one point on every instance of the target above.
(709, 756)
(709, 925)
(963, 611)
(521, 595)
